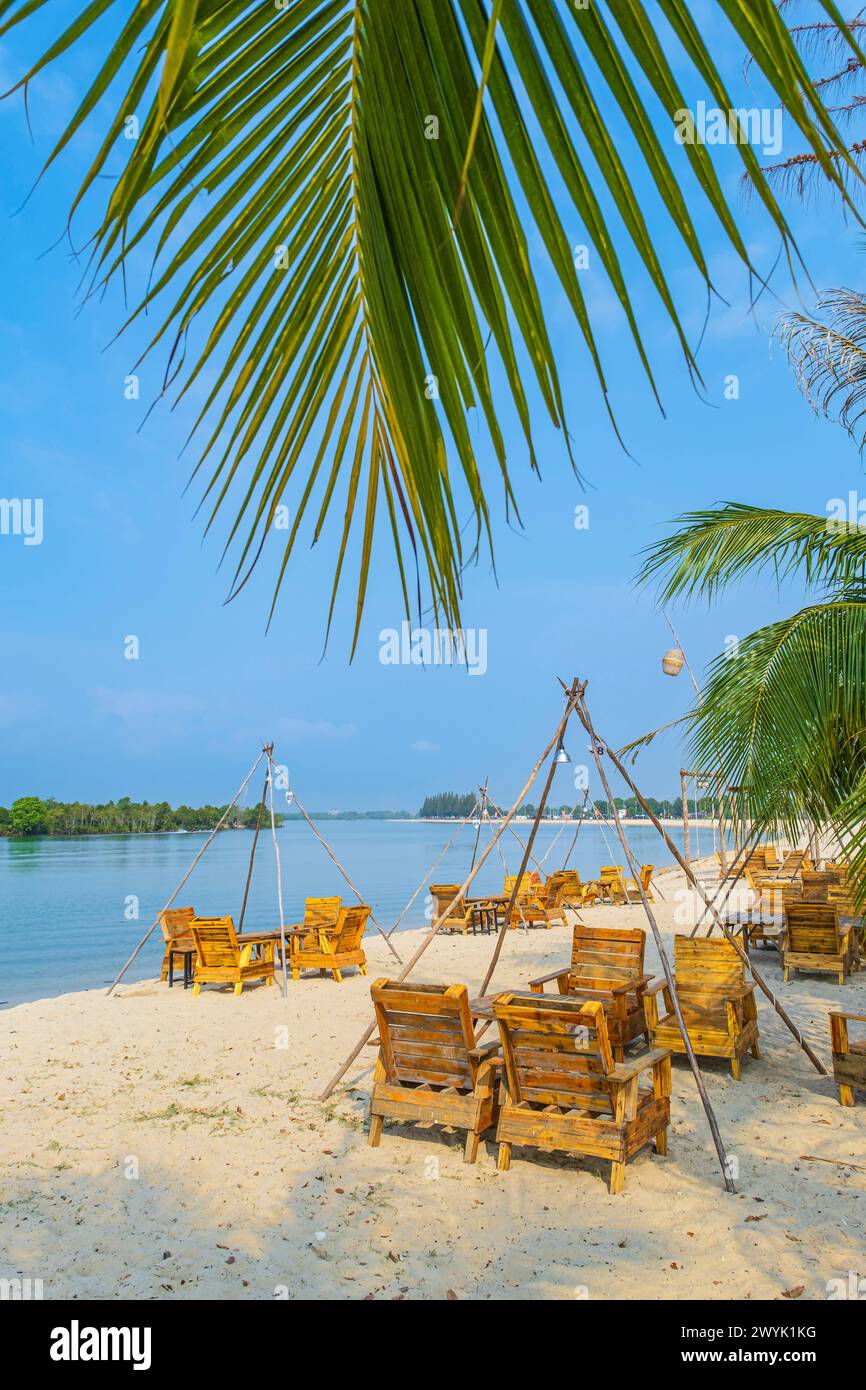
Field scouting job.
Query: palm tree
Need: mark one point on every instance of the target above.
(341, 198)
(783, 715)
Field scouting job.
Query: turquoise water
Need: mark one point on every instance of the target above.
(65, 903)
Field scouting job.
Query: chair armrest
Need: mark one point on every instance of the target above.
(640, 982)
(542, 980)
(736, 994)
(626, 1070)
(654, 989)
(852, 1018)
(486, 1051)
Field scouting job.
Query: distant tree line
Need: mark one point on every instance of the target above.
(31, 816)
(453, 805)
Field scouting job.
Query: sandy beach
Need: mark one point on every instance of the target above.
(158, 1145)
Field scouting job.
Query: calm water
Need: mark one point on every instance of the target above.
(63, 902)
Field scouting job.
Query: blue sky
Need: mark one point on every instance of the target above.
(123, 554)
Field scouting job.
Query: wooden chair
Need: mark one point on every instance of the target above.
(718, 1006)
(430, 1070)
(460, 916)
(818, 882)
(536, 903)
(606, 965)
(814, 940)
(576, 894)
(563, 1090)
(175, 923)
(224, 959)
(330, 947)
(633, 890)
(611, 884)
(849, 1058)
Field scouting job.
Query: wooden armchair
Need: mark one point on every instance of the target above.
(849, 1058)
(430, 1070)
(175, 924)
(225, 959)
(537, 903)
(611, 884)
(815, 940)
(460, 916)
(563, 1090)
(330, 946)
(632, 889)
(607, 966)
(718, 1006)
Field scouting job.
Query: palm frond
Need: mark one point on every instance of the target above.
(715, 547)
(828, 356)
(339, 196)
(784, 716)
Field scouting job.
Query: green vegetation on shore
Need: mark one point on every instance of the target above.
(31, 816)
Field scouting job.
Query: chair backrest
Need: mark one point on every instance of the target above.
(646, 874)
(445, 893)
(707, 965)
(175, 922)
(321, 912)
(556, 1051)
(425, 1033)
(818, 882)
(350, 927)
(600, 954)
(793, 862)
(813, 928)
(215, 941)
(610, 871)
(525, 888)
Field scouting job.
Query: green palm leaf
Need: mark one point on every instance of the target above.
(340, 196)
(783, 713)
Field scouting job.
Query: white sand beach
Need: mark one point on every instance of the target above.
(159, 1145)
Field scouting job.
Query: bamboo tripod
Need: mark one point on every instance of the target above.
(471, 876)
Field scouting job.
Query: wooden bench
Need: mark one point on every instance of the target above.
(564, 1092)
(607, 964)
(223, 959)
(849, 1058)
(815, 940)
(430, 1070)
(330, 946)
(718, 1006)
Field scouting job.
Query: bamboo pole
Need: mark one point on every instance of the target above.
(220, 823)
(482, 808)
(759, 980)
(326, 847)
(269, 751)
(410, 965)
(253, 856)
(684, 783)
(583, 715)
(433, 866)
(506, 919)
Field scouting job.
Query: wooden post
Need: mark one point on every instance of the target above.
(684, 783)
(597, 748)
(720, 816)
(240, 925)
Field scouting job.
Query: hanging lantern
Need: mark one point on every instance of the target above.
(672, 661)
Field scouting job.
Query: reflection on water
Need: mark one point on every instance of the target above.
(72, 910)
